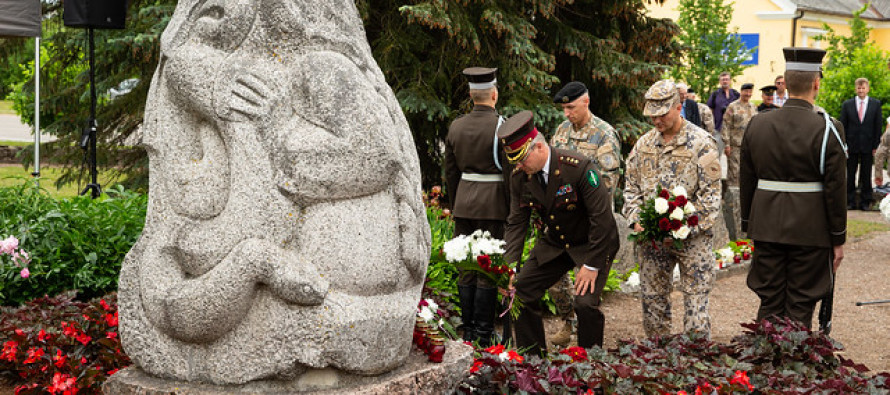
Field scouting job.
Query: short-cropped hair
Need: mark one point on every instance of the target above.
(800, 82)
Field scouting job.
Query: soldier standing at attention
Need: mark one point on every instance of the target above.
(479, 196)
(793, 196)
(566, 191)
(674, 154)
(597, 141)
(735, 120)
(768, 94)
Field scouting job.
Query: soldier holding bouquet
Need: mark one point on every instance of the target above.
(681, 157)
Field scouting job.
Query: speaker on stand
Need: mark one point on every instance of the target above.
(93, 14)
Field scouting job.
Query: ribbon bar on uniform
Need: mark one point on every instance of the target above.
(482, 177)
(788, 186)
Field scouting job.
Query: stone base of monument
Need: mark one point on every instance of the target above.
(416, 376)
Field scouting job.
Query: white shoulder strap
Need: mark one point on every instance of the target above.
(829, 126)
(494, 147)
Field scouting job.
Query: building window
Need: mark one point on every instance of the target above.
(808, 37)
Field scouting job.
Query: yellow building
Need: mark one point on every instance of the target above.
(770, 25)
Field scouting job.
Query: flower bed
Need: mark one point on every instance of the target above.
(768, 358)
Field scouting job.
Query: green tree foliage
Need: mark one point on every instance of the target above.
(710, 47)
(537, 46)
(421, 47)
(851, 57)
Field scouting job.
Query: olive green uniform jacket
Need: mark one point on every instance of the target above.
(575, 206)
(470, 148)
(785, 145)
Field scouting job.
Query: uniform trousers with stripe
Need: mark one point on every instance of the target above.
(790, 279)
(533, 279)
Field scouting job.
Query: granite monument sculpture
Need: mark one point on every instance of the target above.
(285, 228)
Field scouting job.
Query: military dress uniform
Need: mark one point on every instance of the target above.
(690, 160)
(475, 182)
(735, 120)
(793, 203)
(597, 141)
(581, 230)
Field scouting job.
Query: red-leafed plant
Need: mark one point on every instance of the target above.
(58, 345)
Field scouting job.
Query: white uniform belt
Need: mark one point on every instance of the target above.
(482, 177)
(788, 186)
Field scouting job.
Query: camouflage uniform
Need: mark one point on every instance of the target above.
(597, 141)
(707, 119)
(690, 160)
(882, 154)
(735, 120)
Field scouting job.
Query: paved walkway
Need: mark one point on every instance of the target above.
(12, 129)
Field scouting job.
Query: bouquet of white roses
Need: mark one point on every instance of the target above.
(885, 207)
(483, 254)
(666, 218)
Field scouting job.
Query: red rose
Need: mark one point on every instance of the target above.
(680, 200)
(664, 224)
(664, 194)
(676, 224)
(692, 220)
(671, 207)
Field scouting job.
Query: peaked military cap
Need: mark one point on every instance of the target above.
(660, 97)
(516, 134)
(481, 77)
(747, 85)
(570, 92)
(769, 90)
(803, 59)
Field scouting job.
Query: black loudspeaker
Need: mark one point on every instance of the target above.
(96, 14)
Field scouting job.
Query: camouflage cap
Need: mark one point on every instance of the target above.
(660, 97)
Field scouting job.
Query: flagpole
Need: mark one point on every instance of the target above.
(36, 172)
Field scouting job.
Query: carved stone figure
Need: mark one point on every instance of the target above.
(285, 229)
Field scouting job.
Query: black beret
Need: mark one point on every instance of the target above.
(747, 85)
(570, 92)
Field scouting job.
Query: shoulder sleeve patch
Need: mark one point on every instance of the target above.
(592, 178)
(710, 164)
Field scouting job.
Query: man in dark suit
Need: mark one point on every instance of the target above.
(690, 107)
(568, 194)
(476, 186)
(862, 120)
(793, 194)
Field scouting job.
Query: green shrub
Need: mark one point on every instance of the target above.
(75, 244)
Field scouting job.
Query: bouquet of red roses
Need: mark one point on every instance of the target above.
(667, 218)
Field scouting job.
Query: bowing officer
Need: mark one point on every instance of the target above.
(793, 196)
(581, 234)
(475, 183)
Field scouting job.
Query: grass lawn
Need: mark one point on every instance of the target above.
(15, 175)
(6, 107)
(858, 228)
(18, 143)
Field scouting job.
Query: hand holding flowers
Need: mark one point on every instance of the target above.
(667, 218)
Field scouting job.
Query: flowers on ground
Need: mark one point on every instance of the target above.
(668, 218)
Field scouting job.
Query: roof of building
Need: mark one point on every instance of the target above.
(879, 10)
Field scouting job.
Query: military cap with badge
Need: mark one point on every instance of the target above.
(569, 93)
(769, 90)
(517, 135)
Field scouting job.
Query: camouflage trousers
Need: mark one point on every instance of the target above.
(732, 166)
(563, 296)
(696, 261)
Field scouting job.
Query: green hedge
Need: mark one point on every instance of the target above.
(75, 243)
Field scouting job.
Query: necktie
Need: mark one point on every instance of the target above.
(541, 178)
(861, 108)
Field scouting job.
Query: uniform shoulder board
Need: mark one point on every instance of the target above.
(570, 160)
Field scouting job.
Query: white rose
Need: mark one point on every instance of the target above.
(456, 249)
(426, 314)
(677, 214)
(679, 191)
(681, 233)
(688, 208)
(661, 205)
(432, 305)
(726, 254)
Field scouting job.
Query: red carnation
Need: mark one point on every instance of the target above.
(676, 224)
(664, 224)
(692, 220)
(664, 194)
(680, 200)
(484, 261)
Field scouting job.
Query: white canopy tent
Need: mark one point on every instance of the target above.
(21, 18)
